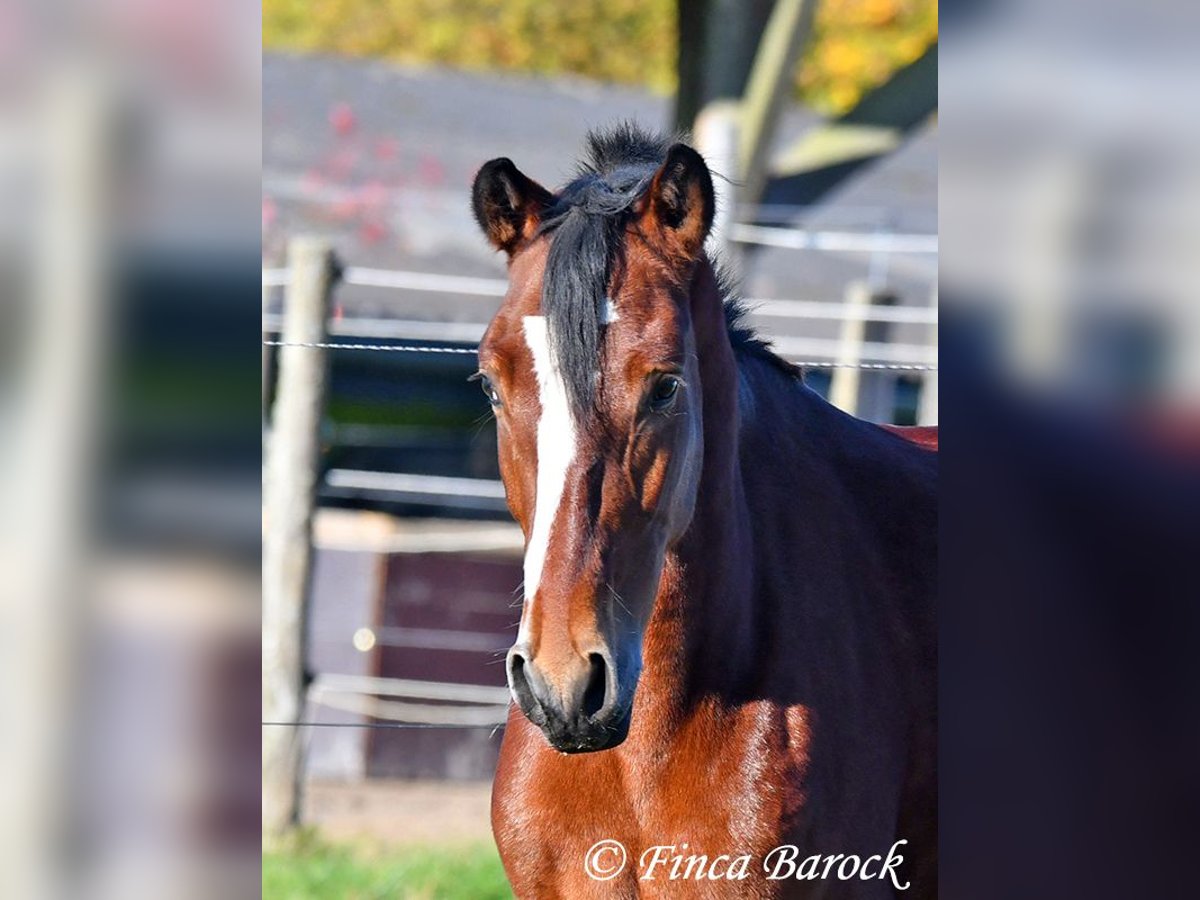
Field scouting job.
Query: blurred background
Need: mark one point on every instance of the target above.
(130, 461)
(133, 404)
(820, 119)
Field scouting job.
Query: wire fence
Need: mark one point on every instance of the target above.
(877, 243)
(432, 282)
(385, 725)
(466, 706)
(375, 347)
(804, 364)
(404, 280)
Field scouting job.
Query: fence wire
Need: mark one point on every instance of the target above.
(412, 348)
(492, 725)
(401, 348)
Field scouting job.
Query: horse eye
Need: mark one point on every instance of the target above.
(664, 393)
(489, 390)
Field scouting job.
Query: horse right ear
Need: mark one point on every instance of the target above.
(680, 203)
(507, 204)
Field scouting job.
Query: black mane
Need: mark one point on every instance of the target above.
(587, 222)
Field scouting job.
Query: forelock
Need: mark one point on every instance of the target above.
(586, 226)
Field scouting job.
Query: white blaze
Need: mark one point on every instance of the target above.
(610, 314)
(555, 450)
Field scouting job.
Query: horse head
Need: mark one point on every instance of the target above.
(592, 368)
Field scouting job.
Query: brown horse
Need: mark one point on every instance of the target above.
(728, 635)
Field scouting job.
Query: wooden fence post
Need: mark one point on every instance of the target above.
(289, 489)
(768, 89)
(55, 406)
(843, 381)
(927, 409)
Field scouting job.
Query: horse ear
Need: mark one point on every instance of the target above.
(680, 203)
(507, 204)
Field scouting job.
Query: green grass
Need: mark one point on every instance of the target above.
(311, 869)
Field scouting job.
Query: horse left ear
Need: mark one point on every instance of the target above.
(507, 204)
(680, 203)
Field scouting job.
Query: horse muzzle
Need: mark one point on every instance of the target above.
(579, 704)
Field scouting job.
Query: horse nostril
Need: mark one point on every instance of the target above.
(517, 679)
(597, 686)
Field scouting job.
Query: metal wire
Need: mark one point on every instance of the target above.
(890, 367)
(409, 348)
(403, 348)
(491, 725)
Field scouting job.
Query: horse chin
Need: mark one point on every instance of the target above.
(591, 737)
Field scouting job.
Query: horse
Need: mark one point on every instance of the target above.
(727, 643)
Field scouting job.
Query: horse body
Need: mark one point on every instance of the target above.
(787, 688)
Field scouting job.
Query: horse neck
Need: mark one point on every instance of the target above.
(704, 609)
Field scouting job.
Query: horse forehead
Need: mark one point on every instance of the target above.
(646, 324)
(641, 321)
(635, 339)
(644, 295)
(504, 338)
(525, 273)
